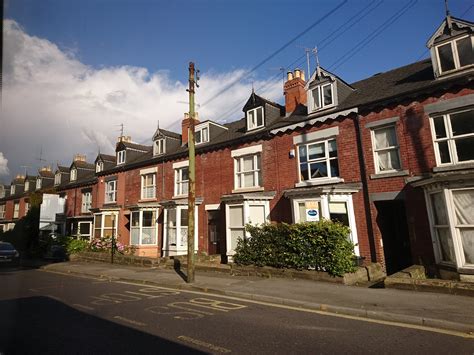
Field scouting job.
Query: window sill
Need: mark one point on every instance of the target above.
(152, 199)
(459, 166)
(110, 202)
(322, 181)
(389, 174)
(177, 197)
(248, 189)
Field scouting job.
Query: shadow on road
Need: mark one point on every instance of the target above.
(40, 325)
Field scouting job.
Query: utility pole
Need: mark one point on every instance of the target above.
(192, 176)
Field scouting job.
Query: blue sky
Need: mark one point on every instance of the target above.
(84, 67)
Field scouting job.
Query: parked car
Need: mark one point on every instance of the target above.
(8, 254)
(56, 253)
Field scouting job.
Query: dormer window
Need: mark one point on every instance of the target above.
(73, 176)
(159, 146)
(27, 185)
(38, 184)
(455, 55)
(99, 166)
(12, 190)
(202, 135)
(121, 157)
(321, 97)
(57, 179)
(255, 118)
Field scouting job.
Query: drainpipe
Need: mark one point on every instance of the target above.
(365, 189)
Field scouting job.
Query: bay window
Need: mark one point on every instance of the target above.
(105, 224)
(143, 227)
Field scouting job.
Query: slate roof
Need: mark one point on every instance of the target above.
(83, 165)
(63, 169)
(46, 174)
(106, 157)
(135, 146)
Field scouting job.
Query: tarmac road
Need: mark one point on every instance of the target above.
(55, 314)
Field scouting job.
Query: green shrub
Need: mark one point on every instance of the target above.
(322, 245)
(76, 246)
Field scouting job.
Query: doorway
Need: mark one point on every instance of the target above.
(213, 231)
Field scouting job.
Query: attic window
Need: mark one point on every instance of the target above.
(121, 157)
(159, 146)
(57, 179)
(73, 175)
(99, 166)
(38, 184)
(455, 54)
(255, 118)
(321, 97)
(27, 185)
(12, 190)
(202, 135)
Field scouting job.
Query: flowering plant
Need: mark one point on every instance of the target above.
(105, 244)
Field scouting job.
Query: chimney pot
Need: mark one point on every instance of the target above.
(297, 73)
(79, 157)
(295, 93)
(289, 76)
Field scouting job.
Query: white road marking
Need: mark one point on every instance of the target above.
(84, 307)
(204, 344)
(131, 321)
(325, 313)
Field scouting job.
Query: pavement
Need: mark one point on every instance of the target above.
(432, 310)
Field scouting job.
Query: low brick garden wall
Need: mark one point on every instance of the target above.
(369, 273)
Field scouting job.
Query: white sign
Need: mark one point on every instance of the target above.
(312, 211)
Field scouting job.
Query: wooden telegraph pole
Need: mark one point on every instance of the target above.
(192, 176)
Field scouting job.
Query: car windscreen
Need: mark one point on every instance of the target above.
(6, 246)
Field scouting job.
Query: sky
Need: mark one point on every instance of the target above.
(74, 71)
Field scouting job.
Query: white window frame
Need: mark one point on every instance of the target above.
(327, 159)
(27, 186)
(27, 207)
(111, 191)
(449, 137)
(140, 226)
(239, 176)
(178, 248)
(38, 184)
(13, 188)
(145, 189)
(86, 202)
(246, 220)
(159, 146)
(2, 211)
(121, 157)
(91, 230)
(454, 50)
(57, 179)
(324, 201)
(251, 125)
(203, 138)
(453, 228)
(178, 175)
(390, 148)
(16, 210)
(102, 227)
(318, 90)
(99, 166)
(73, 175)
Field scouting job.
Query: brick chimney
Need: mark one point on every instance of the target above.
(126, 139)
(185, 127)
(294, 90)
(48, 168)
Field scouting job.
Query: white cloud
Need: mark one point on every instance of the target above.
(4, 165)
(53, 102)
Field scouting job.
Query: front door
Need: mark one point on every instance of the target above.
(213, 232)
(392, 223)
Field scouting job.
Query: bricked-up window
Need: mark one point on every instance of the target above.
(148, 186)
(143, 227)
(321, 97)
(181, 181)
(454, 137)
(386, 149)
(455, 54)
(73, 176)
(255, 118)
(318, 160)
(2, 211)
(86, 202)
(248, 171)
(121, 157)
(16, 210)
(111, 191)
(159, 146)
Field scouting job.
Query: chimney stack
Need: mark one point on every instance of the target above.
(79, 157)
(294, 91)
(185, 126)
(48, 168)
(20, 176)
(126, 139)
